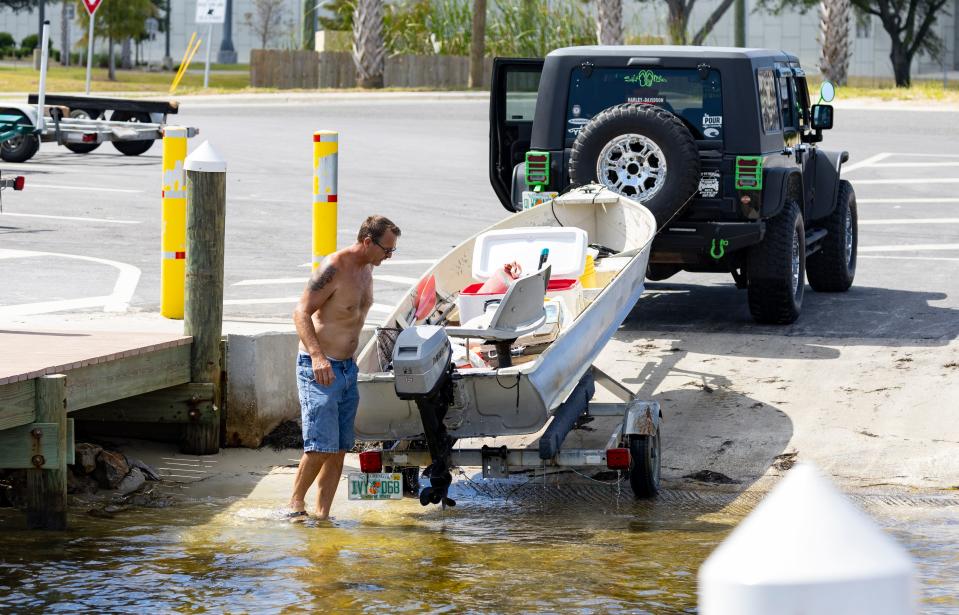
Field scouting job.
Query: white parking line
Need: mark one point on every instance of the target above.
(108, 220)
(910, 221)
(865, 163)
(117, 301)
(919, 247)
(914, 258)
(909, 180)
(396, 279)
(905, 165)
(31, 186)
(916, 200)
(924, 155)
(393, 261)
(376, 307)
(269, 281)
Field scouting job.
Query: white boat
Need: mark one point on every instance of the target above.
(520, 399)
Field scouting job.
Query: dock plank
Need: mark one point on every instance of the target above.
(30, 353)
(17, 403)
(126, 376)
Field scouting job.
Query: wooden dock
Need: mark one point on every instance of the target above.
(47, 375)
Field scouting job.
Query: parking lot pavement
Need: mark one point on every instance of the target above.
(84, 235)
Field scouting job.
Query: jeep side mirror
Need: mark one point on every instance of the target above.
(821, 117)
(827, 91)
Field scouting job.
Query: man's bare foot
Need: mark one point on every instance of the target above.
(297, 512)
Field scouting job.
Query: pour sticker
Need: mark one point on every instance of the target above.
(712, 120)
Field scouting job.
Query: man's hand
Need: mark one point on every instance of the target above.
(322, 371)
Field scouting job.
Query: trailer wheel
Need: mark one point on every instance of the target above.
(131, 148)
(20, 148)
(83, 114)
(644, 465)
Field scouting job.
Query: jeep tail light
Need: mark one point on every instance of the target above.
(371, 461)
(18, 182)
(749, 173)
(537, 168)
(617, 458)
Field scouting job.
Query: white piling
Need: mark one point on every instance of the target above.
(806, 550)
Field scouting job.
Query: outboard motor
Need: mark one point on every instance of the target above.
(423, 372)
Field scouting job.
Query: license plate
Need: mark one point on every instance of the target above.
(380, 486)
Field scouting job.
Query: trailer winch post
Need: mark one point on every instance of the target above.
(173, 229)
(44, 50)
(325, 156)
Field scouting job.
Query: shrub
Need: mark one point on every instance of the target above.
(7, 43)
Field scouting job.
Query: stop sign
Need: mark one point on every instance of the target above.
(92, 5)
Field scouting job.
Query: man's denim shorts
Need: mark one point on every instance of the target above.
(327, 411)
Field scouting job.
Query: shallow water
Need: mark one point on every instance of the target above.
(578, 549)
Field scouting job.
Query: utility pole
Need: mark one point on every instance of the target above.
(42, 10)
(227, 54)
(740, 14)
(167, 59)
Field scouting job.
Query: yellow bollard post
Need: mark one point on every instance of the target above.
(325, 153)
(173, 231)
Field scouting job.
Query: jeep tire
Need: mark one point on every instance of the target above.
(832, 268)
(643, 131)
(776, 269)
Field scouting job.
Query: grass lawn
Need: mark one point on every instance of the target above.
(60, 79)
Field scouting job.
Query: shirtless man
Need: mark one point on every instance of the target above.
(328, 319)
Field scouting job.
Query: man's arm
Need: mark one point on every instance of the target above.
(317, 292)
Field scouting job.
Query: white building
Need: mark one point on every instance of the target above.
(790, 31)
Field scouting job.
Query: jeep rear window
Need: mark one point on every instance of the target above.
(696, 100)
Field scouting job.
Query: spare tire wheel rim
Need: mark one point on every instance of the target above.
(632, 165)
(795, 262)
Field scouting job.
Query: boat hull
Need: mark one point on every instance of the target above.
(520, 399)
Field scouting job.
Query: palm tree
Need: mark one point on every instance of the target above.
(834, 37)
(478, 44)
(609, 22)
(369, 50)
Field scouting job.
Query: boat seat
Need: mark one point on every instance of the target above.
(521, 312)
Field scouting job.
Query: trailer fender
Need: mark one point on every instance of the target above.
(776, 188)
(642, 418)
(28, 110)
(828, 166)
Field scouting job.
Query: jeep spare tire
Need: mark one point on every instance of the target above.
(642, 152)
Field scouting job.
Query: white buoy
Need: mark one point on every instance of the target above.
(806, 550)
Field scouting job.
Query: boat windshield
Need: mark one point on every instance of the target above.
(696, 100)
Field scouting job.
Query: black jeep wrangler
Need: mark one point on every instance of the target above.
(720, 144)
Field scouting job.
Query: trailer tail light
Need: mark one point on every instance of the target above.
(371, 462)
(749, 173)
(18, 182)
(617, 458)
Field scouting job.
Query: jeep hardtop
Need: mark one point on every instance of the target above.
(719, 143)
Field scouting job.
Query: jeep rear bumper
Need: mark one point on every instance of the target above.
(691, 243)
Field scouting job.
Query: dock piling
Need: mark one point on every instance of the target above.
(203, 310)
(47, 489)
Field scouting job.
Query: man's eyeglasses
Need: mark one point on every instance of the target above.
(389, 251)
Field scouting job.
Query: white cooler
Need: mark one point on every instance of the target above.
(567, 257)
